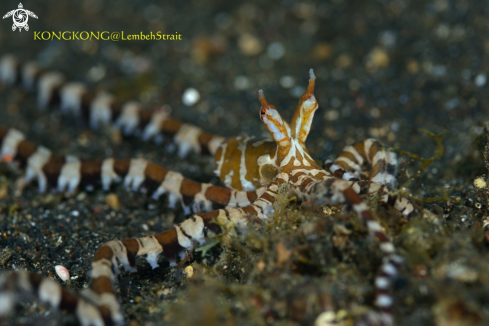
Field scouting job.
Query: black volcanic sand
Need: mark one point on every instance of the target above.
(385, 69)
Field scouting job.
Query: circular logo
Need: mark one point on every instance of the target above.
(20, 18)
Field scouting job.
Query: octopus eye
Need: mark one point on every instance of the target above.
(263, 111)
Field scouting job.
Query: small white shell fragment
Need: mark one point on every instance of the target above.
(62, 272)
(480, 183)
(189, 270)
(327, 318)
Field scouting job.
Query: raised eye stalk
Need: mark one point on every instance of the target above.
(283, 133)
(278, 128)
(302, 119)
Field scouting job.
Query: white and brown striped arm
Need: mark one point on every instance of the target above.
(349, 165)
(381, 177)
(14, 284)
(98, 304)
(69, 173)
(400, 203)
(334, 191)
(103, 108)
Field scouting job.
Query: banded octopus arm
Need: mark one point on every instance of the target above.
(101, 108)
(381, 176)
(98, 305)
(348, 165)
(334, 191)
(68, 173)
